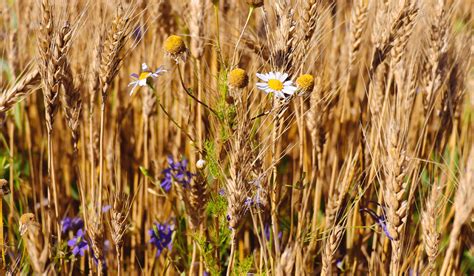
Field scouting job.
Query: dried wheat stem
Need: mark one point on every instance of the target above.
(437, 47)
(275, 188)
(109, 66)
(431, 234)
(463, 205)
(307, 27)
(23, 87)
(72, 105)
(358, 20)
(49, 70)
(330, 249)
(232, 252)
(395, 170)
(234, 55)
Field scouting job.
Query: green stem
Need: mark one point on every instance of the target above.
(242, 33)
(191, 95)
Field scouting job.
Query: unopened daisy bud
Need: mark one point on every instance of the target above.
(200, 164)
(255, 3)
(238, 78)
(305, 83)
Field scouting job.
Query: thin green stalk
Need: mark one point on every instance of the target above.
(251, 9)
(191, 95)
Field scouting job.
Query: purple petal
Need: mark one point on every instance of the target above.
(72, 242)
(76, 250)
(106, 208)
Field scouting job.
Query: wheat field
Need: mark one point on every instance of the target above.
(236, 137)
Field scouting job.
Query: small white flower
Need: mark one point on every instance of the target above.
(144, 77)
(276, 83)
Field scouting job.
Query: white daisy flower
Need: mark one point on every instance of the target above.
(276, 83)
(144, 77)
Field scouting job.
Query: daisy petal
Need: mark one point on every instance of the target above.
(133, 90)
(262, 77)
(159, 71)
(268, 90)
(290, 90)
(134, 75)
(145, 67)
(279, 94)
(142, 82)
(283, 77)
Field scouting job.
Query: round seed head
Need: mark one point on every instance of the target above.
(27, 218)
(200, 164)
(255, 3)
(238, 78)
(174, 45)
(305, 82)
(4, 188)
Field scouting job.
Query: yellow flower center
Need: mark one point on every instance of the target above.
(305, 82)
(174, 45)
(276, 85)
(143, 75)
(238, 78)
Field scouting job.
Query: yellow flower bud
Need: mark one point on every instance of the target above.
(305, 82)
(238, 78)
(174, 45)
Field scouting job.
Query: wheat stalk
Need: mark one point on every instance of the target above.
(437, 47)
(109, 66)
(403, 33)
(358, 21)
(309, 15)
(396, 167)
(431, 235)
(72, 104)
(22, 88)
(330, 248)
(464, 205)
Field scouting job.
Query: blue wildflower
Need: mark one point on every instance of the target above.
(161, 237)
(137, 33)
(106, 208)
(257, 198)
(380, 220)
(248, 202)
(71, 224)
(340, 264)
(266, 232)
(167, 180)
(78, 243)
(221, 192)
(177, 171)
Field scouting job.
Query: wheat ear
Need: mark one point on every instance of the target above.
(23, 87)
(430, 228)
